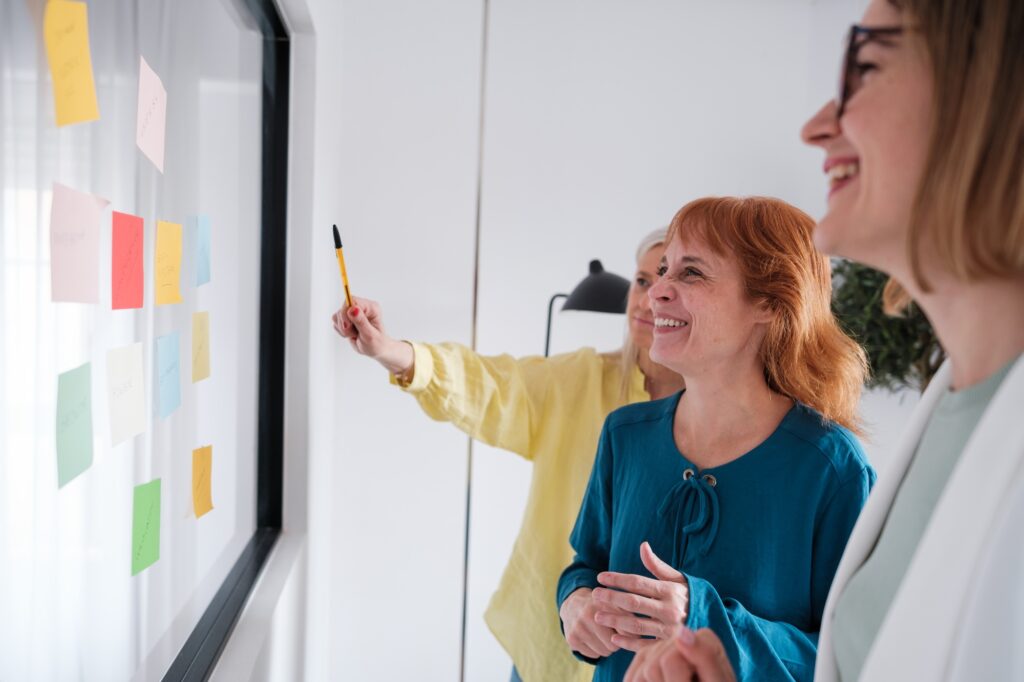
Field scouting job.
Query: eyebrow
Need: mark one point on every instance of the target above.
(685, 260)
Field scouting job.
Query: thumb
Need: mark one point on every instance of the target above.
(362, 323)
(658, 568)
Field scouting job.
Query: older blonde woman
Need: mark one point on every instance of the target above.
(548, 410)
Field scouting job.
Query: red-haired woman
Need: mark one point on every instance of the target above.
(727, 505)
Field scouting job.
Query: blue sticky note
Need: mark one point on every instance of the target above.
(74, 423)
(202, 249)
(168, 374)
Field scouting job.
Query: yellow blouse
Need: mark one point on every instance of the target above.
(550, 411)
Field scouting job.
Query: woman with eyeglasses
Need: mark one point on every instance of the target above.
(729, 503)
(924, 151)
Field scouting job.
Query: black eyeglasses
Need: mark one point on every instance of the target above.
(851, 77)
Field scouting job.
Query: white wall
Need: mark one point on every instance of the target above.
(396, 168)
(601, 120)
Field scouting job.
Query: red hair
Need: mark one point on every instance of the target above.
(806, 356)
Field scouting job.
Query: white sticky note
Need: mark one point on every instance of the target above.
(125, 393)
(152, 115)
(75, 245)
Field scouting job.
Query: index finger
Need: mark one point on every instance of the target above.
(706, 654)
(630, 582)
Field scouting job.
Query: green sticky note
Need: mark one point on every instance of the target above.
(146, 525)
(74, 423)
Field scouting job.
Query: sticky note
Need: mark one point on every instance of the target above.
(75, 245)
(126, 398)
(168, 263)
(202, 249)
(74, 423)
(126, 261)
(145, 525)
(168, 374)
(66, 34)
(202, 461)
(152, 115)
(200, 346)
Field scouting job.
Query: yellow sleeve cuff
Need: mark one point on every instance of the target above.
(422, 369)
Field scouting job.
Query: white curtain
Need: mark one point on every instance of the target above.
(69, 607)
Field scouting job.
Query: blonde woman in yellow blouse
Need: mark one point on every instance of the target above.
(550, 411)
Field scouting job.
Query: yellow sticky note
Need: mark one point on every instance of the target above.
(168, 263)
(200, 346)
(202, 463)
(66, 34)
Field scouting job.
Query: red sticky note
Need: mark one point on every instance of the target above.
(126, 262)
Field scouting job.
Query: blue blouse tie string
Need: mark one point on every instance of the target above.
(691, 506)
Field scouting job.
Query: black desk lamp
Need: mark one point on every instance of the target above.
(599, 292)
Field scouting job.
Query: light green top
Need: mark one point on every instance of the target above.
(865, 601)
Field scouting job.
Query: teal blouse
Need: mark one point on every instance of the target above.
(758, 538)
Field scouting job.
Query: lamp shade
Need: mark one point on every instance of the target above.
(600, 292)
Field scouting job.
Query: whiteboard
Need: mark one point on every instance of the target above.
(72, 608)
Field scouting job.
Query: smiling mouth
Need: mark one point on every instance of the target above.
(668, 323)
(840, 172)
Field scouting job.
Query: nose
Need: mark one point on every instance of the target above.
(660, 291)
(822, 127)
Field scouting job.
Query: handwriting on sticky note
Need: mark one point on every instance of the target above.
(74, 423)
(151, 119)
(145, 525)
(200, 346)
(74, 245)
(168, 374)
(167, 271)
(126, 261)
(66, 34)
(202, 463)
(125, 395)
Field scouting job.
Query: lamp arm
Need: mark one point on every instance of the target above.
(547, 336)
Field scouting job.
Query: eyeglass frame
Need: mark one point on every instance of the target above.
(853, 46)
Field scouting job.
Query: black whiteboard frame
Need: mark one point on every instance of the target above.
(199, 655)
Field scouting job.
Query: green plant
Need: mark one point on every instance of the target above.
(902, 351)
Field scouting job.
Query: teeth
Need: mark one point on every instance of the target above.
(843, 170)
(666, 322)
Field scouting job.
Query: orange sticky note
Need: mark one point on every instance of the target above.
(202, 464)
(126, 262)
(168, 263)
(200, 346)
(66, 34)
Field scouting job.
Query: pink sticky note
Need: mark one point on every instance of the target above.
(126, 262)
(75, 245)
(152, 115)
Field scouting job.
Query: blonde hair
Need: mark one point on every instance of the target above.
(630, 354)
(970, 203)
(806, 356)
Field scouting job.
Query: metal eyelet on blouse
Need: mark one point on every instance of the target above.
(710, 480)
(688, 474)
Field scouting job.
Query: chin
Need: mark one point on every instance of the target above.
(664, 358)
(825, 237)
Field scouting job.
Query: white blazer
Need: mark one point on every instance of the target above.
(959, 613)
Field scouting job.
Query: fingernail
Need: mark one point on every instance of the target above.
(686, 636)
(355, 312)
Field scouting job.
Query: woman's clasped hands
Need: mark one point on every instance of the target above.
(638, 608)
